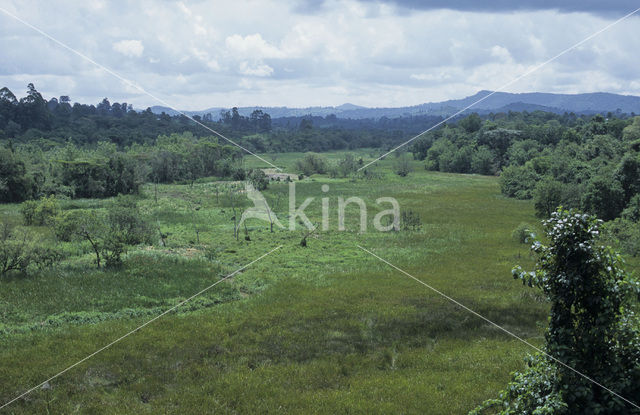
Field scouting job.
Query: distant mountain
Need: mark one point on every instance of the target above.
(589, 103)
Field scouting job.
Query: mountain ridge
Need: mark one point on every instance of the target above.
(483, 101)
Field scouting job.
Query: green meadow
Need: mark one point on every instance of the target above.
(326, 328)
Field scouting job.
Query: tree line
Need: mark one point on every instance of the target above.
(590, 163)
(31, 171)
(58, 120)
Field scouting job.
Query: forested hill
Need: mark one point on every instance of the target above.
(59, 120)
(56, 120)
(590, 103)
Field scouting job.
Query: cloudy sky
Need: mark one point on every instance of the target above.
(201, 54)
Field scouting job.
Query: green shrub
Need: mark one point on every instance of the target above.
(40, 212)
(126, 222)
(19, 250)
(258, 179)
(402, 165)
(547, 196)
(312, 164)
(604, 198)
(523, 233)
(482, 161)
(518, 181)
(410, 221)
(632, 211)
(625, 235)
(108, 234)
(592, 328)
(65, 225)
(347, 165)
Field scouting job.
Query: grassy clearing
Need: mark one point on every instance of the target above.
(322, 329)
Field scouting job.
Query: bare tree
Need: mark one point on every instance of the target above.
(303, 242)
(232, 198)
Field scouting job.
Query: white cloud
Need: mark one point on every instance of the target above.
(197, 56)
(501, 53)
(255, 70)
(131, 48)
(251, 46)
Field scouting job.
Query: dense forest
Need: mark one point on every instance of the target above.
(57, 121)
(588, 163)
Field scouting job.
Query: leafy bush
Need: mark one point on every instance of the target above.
(592, 328)
(347, 165)
(410, 221)
(523, 233)
(65, 225)
(16, 184)
(40, 212)
(547, 196)
(518, 181)
(482, 161)
(632, 211)
(624, 234)
(239, 174)
(604, 198)
(402, 165)
(312, 164)
(125, 220)
(19, 251)
(108, 234)
(258, 179)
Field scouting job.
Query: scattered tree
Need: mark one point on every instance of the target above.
(402, 165)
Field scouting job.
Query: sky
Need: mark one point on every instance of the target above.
(202, 54)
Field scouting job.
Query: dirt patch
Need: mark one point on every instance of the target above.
(273, 174)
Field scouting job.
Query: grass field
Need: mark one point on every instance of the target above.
(325, 328)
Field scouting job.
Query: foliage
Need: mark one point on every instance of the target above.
(19, 250)
(125, 220)
(604, 198)
(312, 163)
(518, 181)
(632, 212)
(482, 161)
(547, 196)
(258, 179)
(65, 225)
(40, 212)
(585, 162)
(402, 165)
(109, 234)
(592, 328)
(347, 165)
(632, 131)
(628, 175)
(410, 220)
(523, 233)
(16, 184)
(625, 234)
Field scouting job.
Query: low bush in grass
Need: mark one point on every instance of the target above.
(523, 233)
(40, 212)
(20, 251)
(312, 164)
